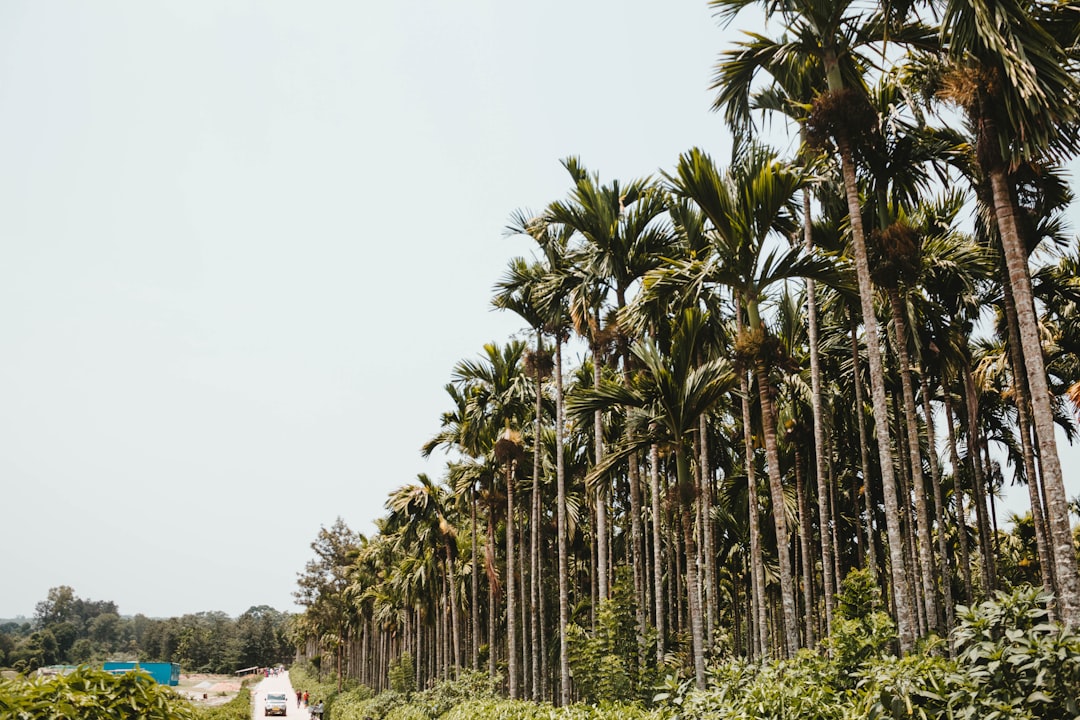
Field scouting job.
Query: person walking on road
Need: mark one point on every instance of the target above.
(299, 694)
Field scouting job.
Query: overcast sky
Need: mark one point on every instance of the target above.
(242, 245)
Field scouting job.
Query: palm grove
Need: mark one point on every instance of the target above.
(741, 381)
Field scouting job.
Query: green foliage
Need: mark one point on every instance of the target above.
(799, 688)
(239, 708)
(604, 665)
(68, 629)
(861, 631)
(1015, 658)
(470, 685)
(88, 694)
(403, 675)
(492, 709)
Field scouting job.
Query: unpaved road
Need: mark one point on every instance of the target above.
(278, 684)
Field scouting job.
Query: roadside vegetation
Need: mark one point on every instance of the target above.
(69, 630)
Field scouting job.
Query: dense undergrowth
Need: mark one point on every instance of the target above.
(1010, 663)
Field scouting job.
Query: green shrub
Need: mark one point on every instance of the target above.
(1016, 658)
(493, 709)
(803, 687)
(605, 664)
(90, 694)
(861, 631)
(403, 674)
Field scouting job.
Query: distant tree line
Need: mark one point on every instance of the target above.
(67, 629)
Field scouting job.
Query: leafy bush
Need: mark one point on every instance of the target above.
(803, 688)
(89, 694)
(861, 631)
(1015, 658)
(492, 709)
(605, 665)
(403, 674)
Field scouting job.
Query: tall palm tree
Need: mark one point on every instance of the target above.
(1019, 89)
(831, 33)
(498, 397)
(670, 393)
(753, 201)
(623, 238)
(420, 511)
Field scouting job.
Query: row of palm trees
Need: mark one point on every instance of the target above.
(787, 368)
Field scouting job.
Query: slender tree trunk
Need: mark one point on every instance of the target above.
(864, 453)
(757, 561)
(825, 521)
(1065, 566)
(708, 548)
(561, 521)
(511, 594)
(1023, 412)
(986, 548)
(776, 487)
(958, 494)
(455, 623)
(922, 524)
(658, 559)
(904, 616)
(601, 495)
(474, 607)
(534, 529)
(939, 512)
(687, 491)
(804, 541)
(493, 588)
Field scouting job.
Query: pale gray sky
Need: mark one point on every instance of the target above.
(242, 245)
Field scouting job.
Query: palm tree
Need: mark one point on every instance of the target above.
(497, 401)
(744, 208)
(420, 509)
(622, 240)
(670, 393)
(1016, 84)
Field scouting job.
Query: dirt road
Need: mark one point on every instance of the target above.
(278, 684)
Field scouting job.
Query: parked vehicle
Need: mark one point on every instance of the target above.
(276, 704)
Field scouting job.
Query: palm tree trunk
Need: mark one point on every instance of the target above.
(601, 497)
(708, 549)
(534, 529)
(958, 494)
(904, 617)
(493, 590)
(804, 541)
(776, 486)
(824, 519)
(939, 510)
(922, 524)
(1023, 412)
(511, 583)
(561, 521)
(986, 550)
(1065, 566)
(687, 493)
(864, 452)
(454, 622)
(474, 606)
(658, 560)
(757, 562)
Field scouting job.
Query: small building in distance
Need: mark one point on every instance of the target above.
(164, 673)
